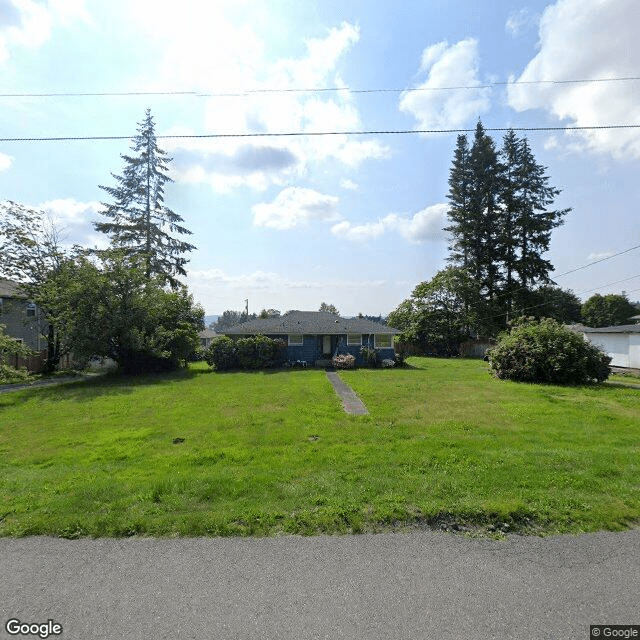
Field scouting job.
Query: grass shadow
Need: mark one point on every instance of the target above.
(112, 383)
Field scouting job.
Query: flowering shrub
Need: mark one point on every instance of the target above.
(387, 363)
(344, 362)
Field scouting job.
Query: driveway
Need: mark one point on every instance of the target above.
(397, 585)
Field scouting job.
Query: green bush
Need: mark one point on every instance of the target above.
(221, 354)
(547, 352)
(254, 352)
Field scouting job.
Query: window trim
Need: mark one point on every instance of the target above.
(350, 343)
(290, 343)
(388, 336)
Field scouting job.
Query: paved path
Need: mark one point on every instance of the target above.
(350, 401)
(47, 382)
(416, 585)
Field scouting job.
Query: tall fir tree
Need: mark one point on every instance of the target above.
(138, 220)
(500, 225)
(536, 220)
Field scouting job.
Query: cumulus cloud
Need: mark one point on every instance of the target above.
(293, 206)
(5, 162)
(586, 39)
(208, 49)
(29, 23)
(423, 226)
(434, 106)
(74, 220)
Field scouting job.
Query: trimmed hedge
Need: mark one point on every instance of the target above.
(546, 352)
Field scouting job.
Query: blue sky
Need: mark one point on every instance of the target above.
(352, 220)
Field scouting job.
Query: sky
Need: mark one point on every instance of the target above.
(354, 220)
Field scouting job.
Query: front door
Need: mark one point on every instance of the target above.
(326, 345)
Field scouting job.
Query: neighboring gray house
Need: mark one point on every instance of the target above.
(622, 343)
(22, 319)
(316, 336)
(206, 336)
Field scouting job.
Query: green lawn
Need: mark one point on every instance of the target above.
(269, 453)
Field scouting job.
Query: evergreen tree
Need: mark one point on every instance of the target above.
(139, 222)
(500, 225)
(535, 220)
(461, 228)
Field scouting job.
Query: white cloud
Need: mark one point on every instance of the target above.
(349, 185)
(29, 23)
(5, 162)
(600, 255)
(293, 206)
(423, 226)
(584, 39)
(74, 221)
(520, 21)
(435, 107)
(206, 48)
(67, 211)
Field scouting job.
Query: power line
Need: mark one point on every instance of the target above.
(597, 261)
(248, 92)
(323, 133)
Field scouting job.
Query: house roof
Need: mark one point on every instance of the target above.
(309, 322)
(208, 333)
(10, 289)
(623, 328)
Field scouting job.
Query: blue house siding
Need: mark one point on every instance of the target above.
(308, 351)
(311, 349)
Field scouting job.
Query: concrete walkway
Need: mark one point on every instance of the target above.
(350, 401)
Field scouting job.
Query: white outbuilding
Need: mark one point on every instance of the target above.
(622, 343)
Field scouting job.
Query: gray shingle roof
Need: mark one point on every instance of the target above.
(309, 322)
(623, 328)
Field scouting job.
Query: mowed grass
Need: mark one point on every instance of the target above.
(273, 453)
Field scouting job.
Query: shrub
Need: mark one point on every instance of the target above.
(221, 354)
(253, 352)
(346, 361)
(370, 356)
(387, 363)
(547, 352)
(257, 352)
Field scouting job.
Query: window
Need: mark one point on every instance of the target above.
(31, 310)
(354, 339)
(295, 339)
(383, 341)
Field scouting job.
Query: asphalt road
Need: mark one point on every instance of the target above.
(413, 585)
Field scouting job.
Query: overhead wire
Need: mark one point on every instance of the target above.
(318, 133)
(274, 90)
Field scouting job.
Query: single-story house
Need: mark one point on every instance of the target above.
(206, 336)
(622, 343)
(23, 320)
(315, 337)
